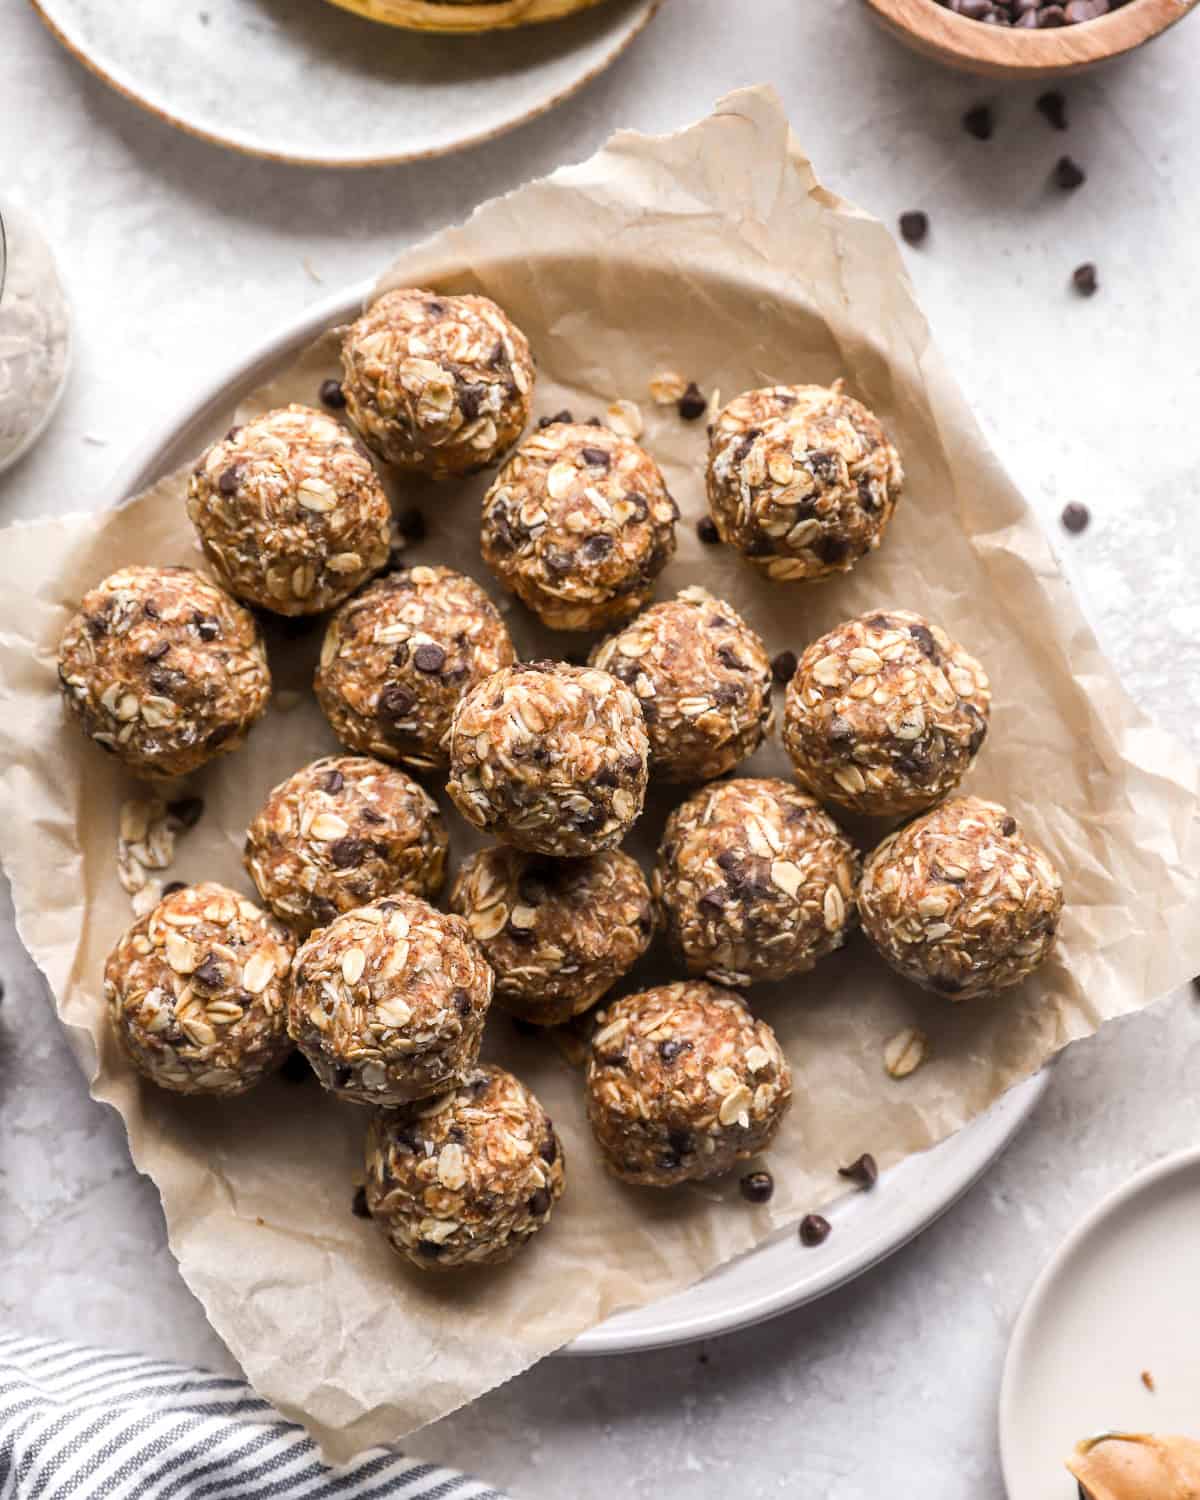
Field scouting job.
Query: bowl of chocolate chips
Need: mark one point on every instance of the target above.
(1027, 38)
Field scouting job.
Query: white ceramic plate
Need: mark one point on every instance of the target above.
(302, 81)
(781, 1274)
(1120, 1296)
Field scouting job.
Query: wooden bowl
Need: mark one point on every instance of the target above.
(1005, 52)
(463, 15)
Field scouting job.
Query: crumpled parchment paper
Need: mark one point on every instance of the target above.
(715, 253)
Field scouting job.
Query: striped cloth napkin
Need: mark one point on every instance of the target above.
(88, 1424)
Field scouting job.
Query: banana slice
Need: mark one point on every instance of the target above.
(463, 15)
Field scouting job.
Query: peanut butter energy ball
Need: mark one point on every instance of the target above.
(549, 758)
(801, 480)
(437, 384)
(196, 991)
(683, 1083)
(579, 524)
(959, 901)
(340, 833)
(163, 669)
(399, 656)
(754, 881)
(558, 932)
(388, 1001)
(467, 1179)
(703, 679)
(885, 714)
(290, 512)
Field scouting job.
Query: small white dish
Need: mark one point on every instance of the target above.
(313, 84)
(1121, 1296)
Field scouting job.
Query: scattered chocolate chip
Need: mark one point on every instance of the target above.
(470, 399)
(548, 1150)
(462, 1002)
(1085, 279)
(172, 886)
(814, 1230)
(730, 659)
(206, 627)
(864, 1171)
(208, 973)
(559, 416)
(332, 394)
(671, 1050)
(1075, 517)
(1068, 174)
(596, 548)
(713, 900)
(539, 1203)
(150, 610)
(295, 1069)
(924, 639)
(693, 403)
(429, 657)
(706, 530)
(979, 122)
(783, 667)
(1008, 827)
(598, 458)
(1052, 106)
(757, 1187)
(347, 854)
(359, 1206)
(158, 651)
(394, 702)
(914, 226)
(187, 811)
(228, 481)
(334, 781)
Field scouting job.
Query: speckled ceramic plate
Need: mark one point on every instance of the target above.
(780, 1274)
(306, 82)
(1119, 1297)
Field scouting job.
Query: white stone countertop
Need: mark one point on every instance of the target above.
(176, 253)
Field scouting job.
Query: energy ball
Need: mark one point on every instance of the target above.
(703, 679)
(399, 656)
(388, 1001)
(197, 992)
(683, 1083)
(801, 480)
(754, 881)
(579, 524)
(558, 933)
(437, 384)
(468, 1179)
(959, 900)
(340, 833)
(290, 512)
(549, 758)
(885, 714)
(163, 669)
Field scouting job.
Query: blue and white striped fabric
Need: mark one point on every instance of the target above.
(87, 1424)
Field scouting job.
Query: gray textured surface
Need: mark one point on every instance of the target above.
(174, 251)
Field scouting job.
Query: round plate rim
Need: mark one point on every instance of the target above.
(972, 1150)
(247, 146)
(1035, 1299)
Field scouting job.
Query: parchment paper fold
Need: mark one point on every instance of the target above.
(715, 253)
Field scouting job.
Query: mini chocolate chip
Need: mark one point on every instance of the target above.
(924, 639)
(979, 122)
(712, 900)
(172, 886)
(498, 358)
(428, 1249)
(680, 1141)
(1068, 174)
(394, 702)
(596, 548)
(840, 731)
(470, 398)
(706, 530)
(594, 422)
(295, 1068)
(158, 651)
(228, 481)
(1075, 517)
(462, 1002)
(1052, 106)
(914, 226)
(613, 1059)
(1085, 279)
(332, 395)
(334, 781)
(429, 657)
(359, 1206)
(866, 493)
(670, 1051)
(539, 1203)
(206, 627)
(549, 1149)
(559, 416)
(208, 973)
(1008, 827)
(730, 659)
(783, 666)
(598, 458)
(863, 1171)
(150, 610)
(823, 465)
(97, 626)
(727, 860)
(187, 810)
(347, 854)
(693, 403)
(757, 1187)
(814, 1230)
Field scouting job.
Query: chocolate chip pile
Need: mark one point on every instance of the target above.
(1032, 15)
